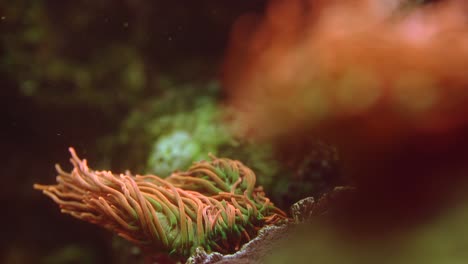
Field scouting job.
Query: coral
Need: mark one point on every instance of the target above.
(387, 76)
(215, 205)
(196, 131)
(183, 115)
(180, 127)
(173, 151)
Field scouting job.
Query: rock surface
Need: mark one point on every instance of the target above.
(254, 252)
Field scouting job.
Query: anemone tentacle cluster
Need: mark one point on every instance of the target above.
(214, 205)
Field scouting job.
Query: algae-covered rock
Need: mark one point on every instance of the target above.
(253, 252)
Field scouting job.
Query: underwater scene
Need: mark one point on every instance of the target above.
(248, 131)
